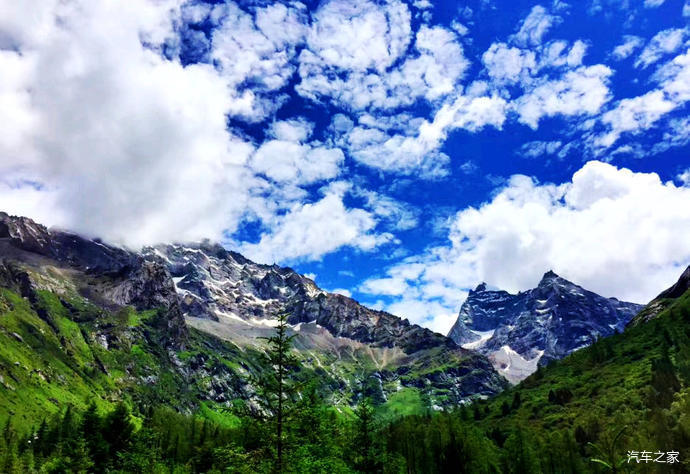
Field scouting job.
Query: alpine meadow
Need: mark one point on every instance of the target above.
(345, 236)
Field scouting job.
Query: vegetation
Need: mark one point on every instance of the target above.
(71, 404)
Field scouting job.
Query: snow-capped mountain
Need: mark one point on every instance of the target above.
(223, 286)
(202, 293)
(521, 331)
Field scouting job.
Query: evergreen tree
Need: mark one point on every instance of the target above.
(117, 431)
(276, 389)
(363, 442)
(91, 428)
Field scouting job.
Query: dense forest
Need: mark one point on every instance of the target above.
(629, 392)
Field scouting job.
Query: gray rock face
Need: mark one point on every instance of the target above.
(537, 326)
(222, 293)
(123, 277)
(213, 283)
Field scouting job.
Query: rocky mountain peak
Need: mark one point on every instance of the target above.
(480, 287)
(109, 275)
(521, 331)
(550, 278)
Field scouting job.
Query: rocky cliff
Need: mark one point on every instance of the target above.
(521, 331)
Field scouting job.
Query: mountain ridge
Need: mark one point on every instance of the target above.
(204, 289)
(530, 328)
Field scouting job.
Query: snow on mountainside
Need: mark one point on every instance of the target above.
(220, 285)
(358, 351)
(519, 332)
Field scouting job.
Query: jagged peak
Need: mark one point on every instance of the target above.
(550, 278)
(480, 287)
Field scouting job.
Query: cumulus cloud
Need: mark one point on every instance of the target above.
(118, 136)
(627, 47)
(535, 26)
(637, 114)
(653, 3)
(257, 49)
(309, 231)
(418, 150)
(509, 65)
(549, 79)
(684, 177)
(107, 133)
(634, 115)
(663, 43)
(613, 231)
(582, 91)
(395, 214)
(287, 159)
(351, 50)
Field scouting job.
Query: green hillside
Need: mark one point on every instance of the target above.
(64, 362)
(635, 384)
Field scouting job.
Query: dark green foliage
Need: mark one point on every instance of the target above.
(561, 396)
(557, 421)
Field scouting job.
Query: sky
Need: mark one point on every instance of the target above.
(400, 152)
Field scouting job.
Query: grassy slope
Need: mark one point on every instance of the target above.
(60, 358)
(49, 362)
(611, 386)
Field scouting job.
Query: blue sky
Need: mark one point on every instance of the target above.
(399, 152)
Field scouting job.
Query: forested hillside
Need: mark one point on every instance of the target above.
(628, 392)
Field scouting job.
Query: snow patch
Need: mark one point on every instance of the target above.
(512, 365)
(483, 337)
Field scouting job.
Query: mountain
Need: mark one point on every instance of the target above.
(626, 393)
(521, 331)
(181, 325)
(665, 299)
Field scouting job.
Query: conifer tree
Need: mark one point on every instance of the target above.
(275, 388)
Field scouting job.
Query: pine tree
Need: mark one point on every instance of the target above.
(118, 430)
(91, 428)
(363, 443)
(275, 389)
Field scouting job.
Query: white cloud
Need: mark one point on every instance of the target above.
(686, 9)
(535, 26)
(342, 291)
(119, 137)
(627, 47)
(360, 35)
(359, 76)
(509, 65)
(549, 79)
(640, 113)
(286, 159)
(395, 214)
(105, 135)
(664, 42)
(536, 149)
(611, 230)
(674, 78)
(582, 91)
(256, 48)
(419, 152)
(684, 177)
(634, 115)
(309, 231)
(653, 3)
